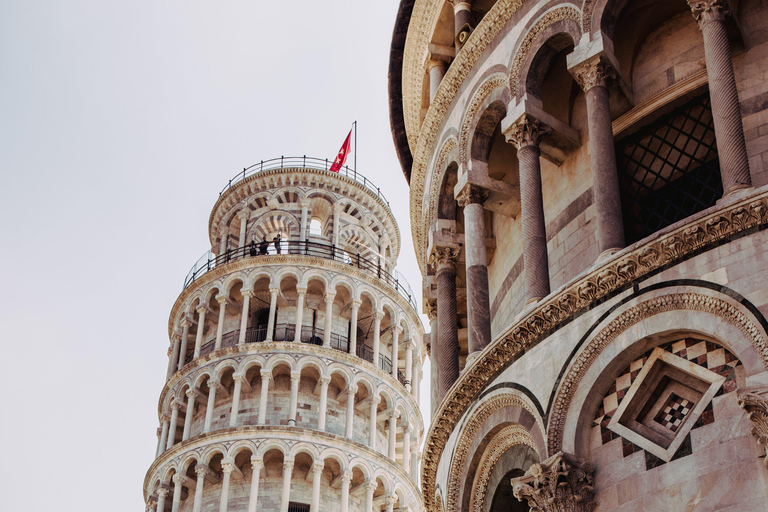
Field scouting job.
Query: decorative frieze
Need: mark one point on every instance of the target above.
(562, 483)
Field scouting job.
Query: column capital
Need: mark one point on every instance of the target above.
(408, 427)
(247, 293)
(430, 308)
(178, 479)
(561, 482)
(222, 299)
(755, 402)
(301, 290)
(274, 291)
(202, 310)
(305, 203)
(376, 399)
(257, 462)
(595, 72)
(371, 485)
(202, 471)
(176, 405)
(266, 375)
(329, 296)
(471, 194)
(227, 467)
(346, 475)
(244, 214)
(325, 380)
(526, 131)
(288, 463)
(445, 256)
(164, 417)
(394, 414)
(239, 378)
(379, 315)
(356, 303)
(213, 384)
(192, 393)
(709, 10)
(295, 376)
(317, 467)
(391, 499)
(162, 491)
(436, 61)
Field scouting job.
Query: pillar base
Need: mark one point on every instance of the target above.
(606, 255)
(734, 194)
(471, 357)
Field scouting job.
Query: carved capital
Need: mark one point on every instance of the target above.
(371, 485)
(755, 402)
(471, 194)
(178, 479)
(288, 464)
(162, 491)
(329, 296)
(244, 214)
(347, 475)
(202, 471)
(222, 299)
(527, 131)
(227, 467)
(257, 463)
(709, 10)
(444, 257)
(594, 73)
(562, 482)
(430, 308)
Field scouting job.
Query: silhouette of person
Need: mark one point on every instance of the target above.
(252, 248)
(263, 246)
(276, 241)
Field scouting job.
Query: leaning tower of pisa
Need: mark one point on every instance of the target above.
(295, 354)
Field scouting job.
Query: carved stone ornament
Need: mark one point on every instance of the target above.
(444, 256)
(471, 194)
(597, 72)
(709, 10)
(527, 131)
(430, 309)
(562, 483)
(755, 402)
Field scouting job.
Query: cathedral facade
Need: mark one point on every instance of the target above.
(589, 200)
(295, 354)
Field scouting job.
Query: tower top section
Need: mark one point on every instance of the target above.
(300, 199)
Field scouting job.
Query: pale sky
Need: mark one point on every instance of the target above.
(119, 124)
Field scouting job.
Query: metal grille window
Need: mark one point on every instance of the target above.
(669, 169)
(297, 507)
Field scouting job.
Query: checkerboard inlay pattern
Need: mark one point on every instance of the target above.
(673, 414)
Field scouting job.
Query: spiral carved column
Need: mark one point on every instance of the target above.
(446, 350)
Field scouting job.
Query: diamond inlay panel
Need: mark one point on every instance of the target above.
(673, 414)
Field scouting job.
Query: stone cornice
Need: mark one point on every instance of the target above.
(292, 348)
(295, 260)
(665, 248)
(336, 183)
(423, 144)
(295, 434)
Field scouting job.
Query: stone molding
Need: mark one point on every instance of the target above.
(521, 54)
(277, 348)
(665, 248)
(337, 184)
(281, 261)
(755, 402)
(482, 413)
(497, 81)
(562, 483)
(501, 442)
(253, 437)
(422, 141)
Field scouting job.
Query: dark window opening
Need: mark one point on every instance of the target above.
(298, 507)
(504, 500)
(669, 169)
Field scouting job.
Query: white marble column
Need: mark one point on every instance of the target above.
(353, 327)
(350, 411)
(272, 310)
(226, 471)
(395, 349)
(256, 465)
(392, 434)
(201, 471)
(223, 301)
(437, 69)
(377, 337)
(266, 378)
(212, 385)
(244, 216)
(317, 473)
(191, 397)
(324, 381)
(416, 374)
(236, 400)
(304, 212)
(375, 400)
(336, 224)
(178, 482)
(184, 341)
(201, 311)
(161, 494)
(163, 435)
(173, 359)
(409, 346)
(370, 487)
(173, 424)
(247, 294)
(346, 478)
(295, 379)
(286, 494)
(390, 501)
(328, 328)
(407, 447)
(302, 292)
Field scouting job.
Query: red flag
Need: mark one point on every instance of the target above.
(343, 154)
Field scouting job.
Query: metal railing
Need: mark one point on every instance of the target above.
(310, 335)
(294, 162)
(209, 261)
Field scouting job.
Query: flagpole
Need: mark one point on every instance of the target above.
(355, 123)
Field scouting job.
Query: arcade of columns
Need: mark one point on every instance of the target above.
(593, 68)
